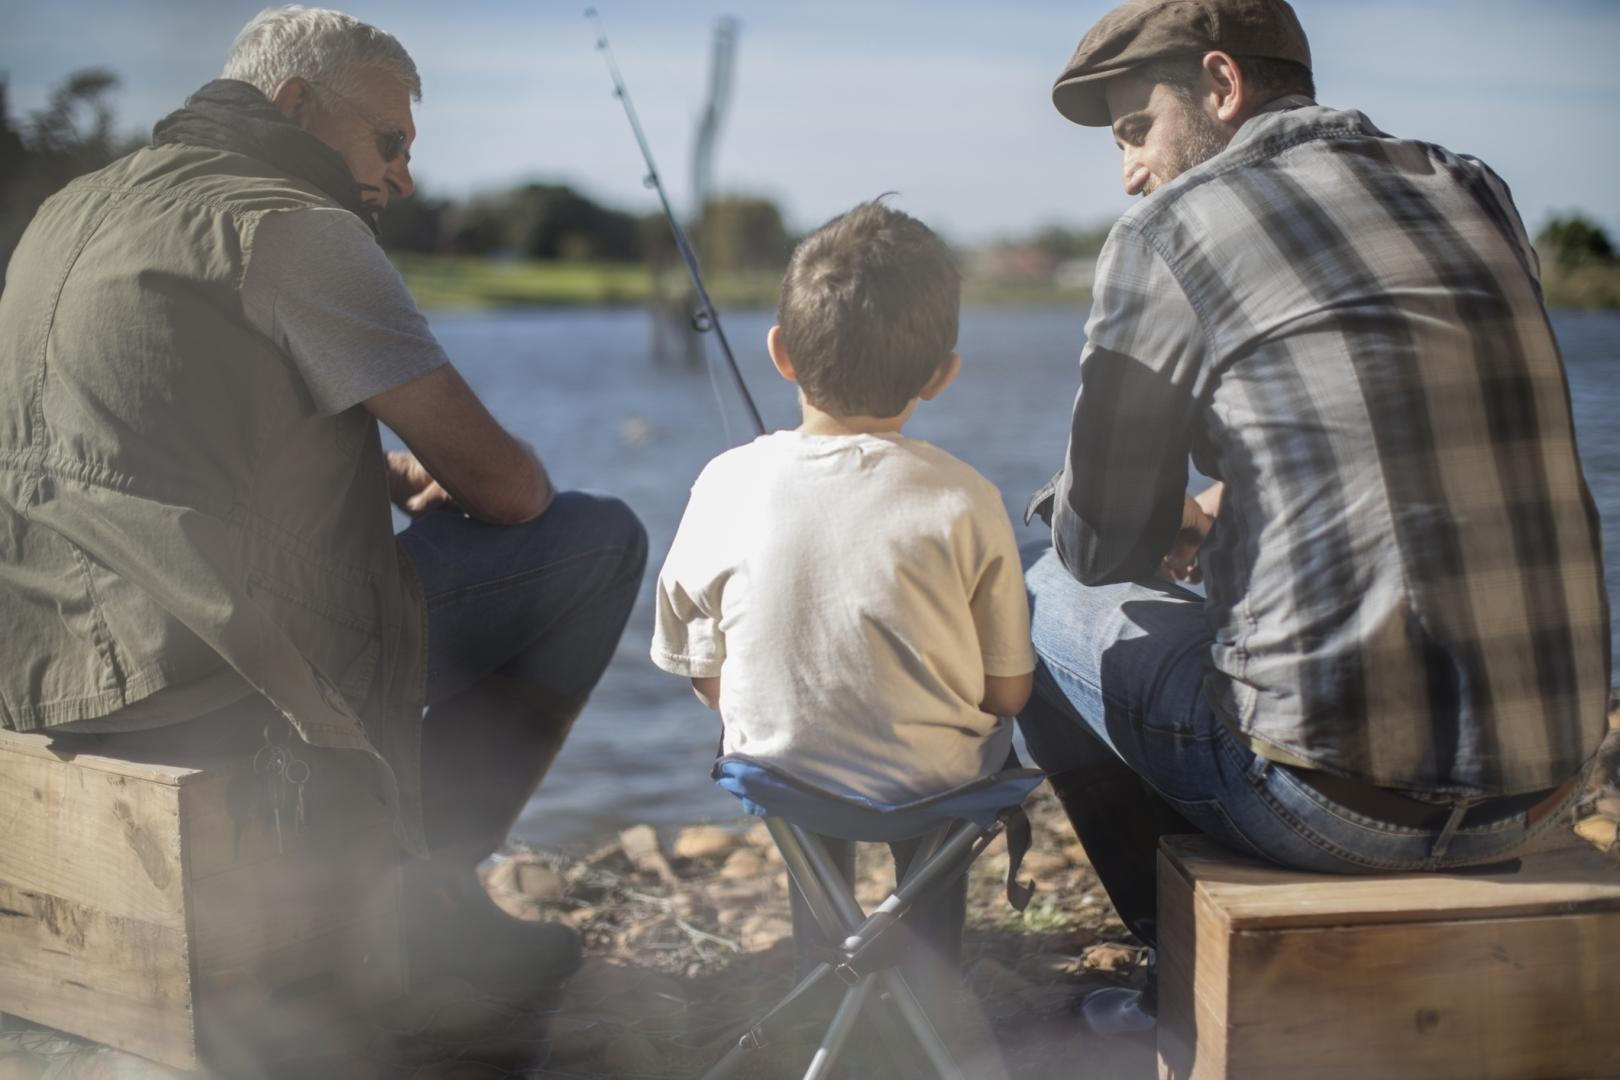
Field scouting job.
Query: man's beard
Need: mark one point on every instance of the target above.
(1202, 137)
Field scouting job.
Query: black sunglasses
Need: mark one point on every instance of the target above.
(390, 140)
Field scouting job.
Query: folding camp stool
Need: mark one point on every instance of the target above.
(957, 825)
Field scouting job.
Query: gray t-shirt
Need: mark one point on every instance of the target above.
(320, 287)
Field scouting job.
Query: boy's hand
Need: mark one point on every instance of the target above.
(708, 691)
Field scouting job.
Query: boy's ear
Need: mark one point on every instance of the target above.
(942, 378)
(779, 356)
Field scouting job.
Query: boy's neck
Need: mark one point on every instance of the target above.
(820, 422)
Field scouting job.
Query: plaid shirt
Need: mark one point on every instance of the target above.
(1404, 582)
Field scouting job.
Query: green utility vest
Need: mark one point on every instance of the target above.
(169, 497)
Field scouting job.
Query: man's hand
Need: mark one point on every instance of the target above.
(1197, 519)
(411, 488)
(490, 475)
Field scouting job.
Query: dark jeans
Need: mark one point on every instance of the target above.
(522, 621)
(928, 940)
(543, 602)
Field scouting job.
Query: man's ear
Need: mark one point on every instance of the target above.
(779, 354)
(293, 99)
(1224, 82)
(942, 378)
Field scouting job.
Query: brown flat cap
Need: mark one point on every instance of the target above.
(1143, 30)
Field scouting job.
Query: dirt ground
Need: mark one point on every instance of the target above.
(688, 938)
(692, 937)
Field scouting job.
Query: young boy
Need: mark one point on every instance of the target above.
(849, 599)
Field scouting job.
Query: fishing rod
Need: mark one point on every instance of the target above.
(707, 318)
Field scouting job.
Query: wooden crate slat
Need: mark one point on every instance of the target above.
(1499, 977)
(1482, 999)
(80, 969)
(94, 837)
(1193, 978)
(1255, 895)
(241, 917)
(131, 916)
(341, 800)
(41, 747)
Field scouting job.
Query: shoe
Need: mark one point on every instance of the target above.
(453, 929)
(1118, 1010)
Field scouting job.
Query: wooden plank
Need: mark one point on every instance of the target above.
(342, 799)
(119, 981)
(292, 948)
(290, 944)
(1193, 979)
(1253, 894)
(242, 917)
(97, 838)
(316, 1002)
(43, 748)
(1509, 999)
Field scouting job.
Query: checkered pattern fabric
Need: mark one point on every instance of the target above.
(1405, 581)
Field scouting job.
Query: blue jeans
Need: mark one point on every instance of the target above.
(543, 602)
(522, 621)
(1126, 664)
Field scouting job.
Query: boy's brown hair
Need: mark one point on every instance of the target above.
(869, 311)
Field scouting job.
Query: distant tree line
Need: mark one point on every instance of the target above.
(74, 134)
(736, 233)
(1573, 243)
(1062, 243)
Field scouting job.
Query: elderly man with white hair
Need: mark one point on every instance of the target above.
(196, 346)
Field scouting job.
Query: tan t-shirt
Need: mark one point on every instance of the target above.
(852, 592)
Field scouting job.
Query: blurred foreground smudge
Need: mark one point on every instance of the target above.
(688, 937)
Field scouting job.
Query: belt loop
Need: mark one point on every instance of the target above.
(1258, 768)
(1442, 843)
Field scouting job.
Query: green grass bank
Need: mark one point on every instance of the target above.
(450, 282)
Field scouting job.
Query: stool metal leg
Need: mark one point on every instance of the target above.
(926, 850)
(763, 1030)
(843, 1022)
(835, 909)
(843, 899)
(939, 1055)
(806, 870)
(951, 858)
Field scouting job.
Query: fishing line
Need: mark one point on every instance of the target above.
(706, 319)
(719, 398)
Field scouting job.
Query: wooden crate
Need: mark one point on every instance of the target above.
(1265, 972)
(135, 913)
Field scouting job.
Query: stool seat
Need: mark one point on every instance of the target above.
(767, 790)
(955, 826)
(1267, 972)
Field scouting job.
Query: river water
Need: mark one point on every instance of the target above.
(579, 385)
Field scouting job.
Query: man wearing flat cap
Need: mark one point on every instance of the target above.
(1402, 661)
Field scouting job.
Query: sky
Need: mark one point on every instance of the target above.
(946, 103)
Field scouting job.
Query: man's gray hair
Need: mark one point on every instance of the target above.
(318, 45)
